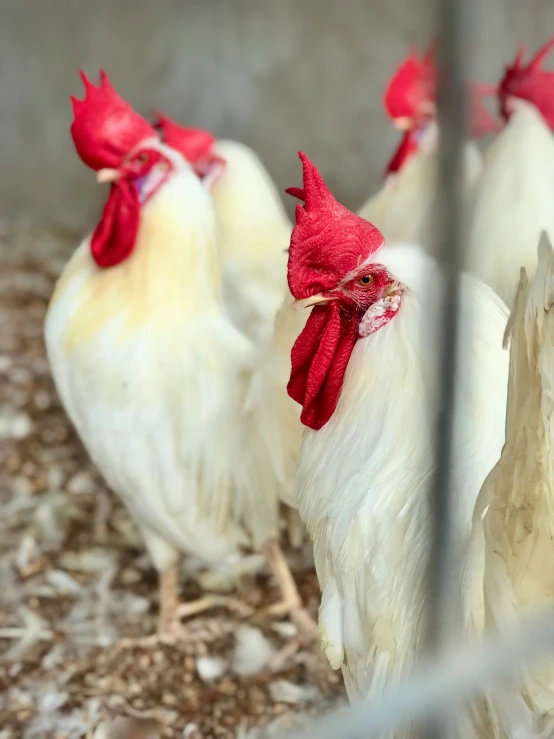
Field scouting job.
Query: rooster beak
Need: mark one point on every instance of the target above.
(394, 289)
(313, 300)
(402, 124)
(107, 175)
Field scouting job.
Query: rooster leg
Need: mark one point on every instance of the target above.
(294, 527)
(169, 599)
(170, 628)
(101, 516)
(307, 627)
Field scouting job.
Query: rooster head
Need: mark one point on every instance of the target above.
(113, 139)
(195, 144)
(528, 82)
(410, 101)
(329, 268)
(105, 127)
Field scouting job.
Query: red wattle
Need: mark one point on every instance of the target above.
(319, 359)
(407, 147)
(114, 238)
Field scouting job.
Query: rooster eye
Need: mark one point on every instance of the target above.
(366, 280)
(142, 158)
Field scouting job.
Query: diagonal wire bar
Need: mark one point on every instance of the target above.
(442, 684)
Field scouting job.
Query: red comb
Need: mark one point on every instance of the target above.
(529, 82)
(414, 83)
(105, 127)
(193, 143)
(328, 241)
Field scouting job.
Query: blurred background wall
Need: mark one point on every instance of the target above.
(277, 74)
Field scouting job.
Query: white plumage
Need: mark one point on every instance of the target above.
(511, 570)
(253, 236)
(513, 201)
(363, 478)
(281, 413)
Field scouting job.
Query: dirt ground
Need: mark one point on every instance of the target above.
(72, 590)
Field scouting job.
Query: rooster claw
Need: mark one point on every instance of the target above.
(194, 607)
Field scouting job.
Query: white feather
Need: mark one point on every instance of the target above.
(511, 568)
(155, 379)
(253, 235)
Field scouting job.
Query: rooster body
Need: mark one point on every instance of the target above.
(366, 506)
(154, 376)
(166, 392)
(516, 190)
(513, 201)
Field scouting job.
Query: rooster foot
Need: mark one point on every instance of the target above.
(281, 659)
(174, 632)
(307, 629)
(306, 633)
(206, 603)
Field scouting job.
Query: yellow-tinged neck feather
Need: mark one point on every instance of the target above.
(173, 273)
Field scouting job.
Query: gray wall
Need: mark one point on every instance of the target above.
(278, 74)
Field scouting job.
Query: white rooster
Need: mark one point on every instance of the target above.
(150, 369)
(364, 371)
(402, 209)
(253, 228)
(513, 200)
(511, 570)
